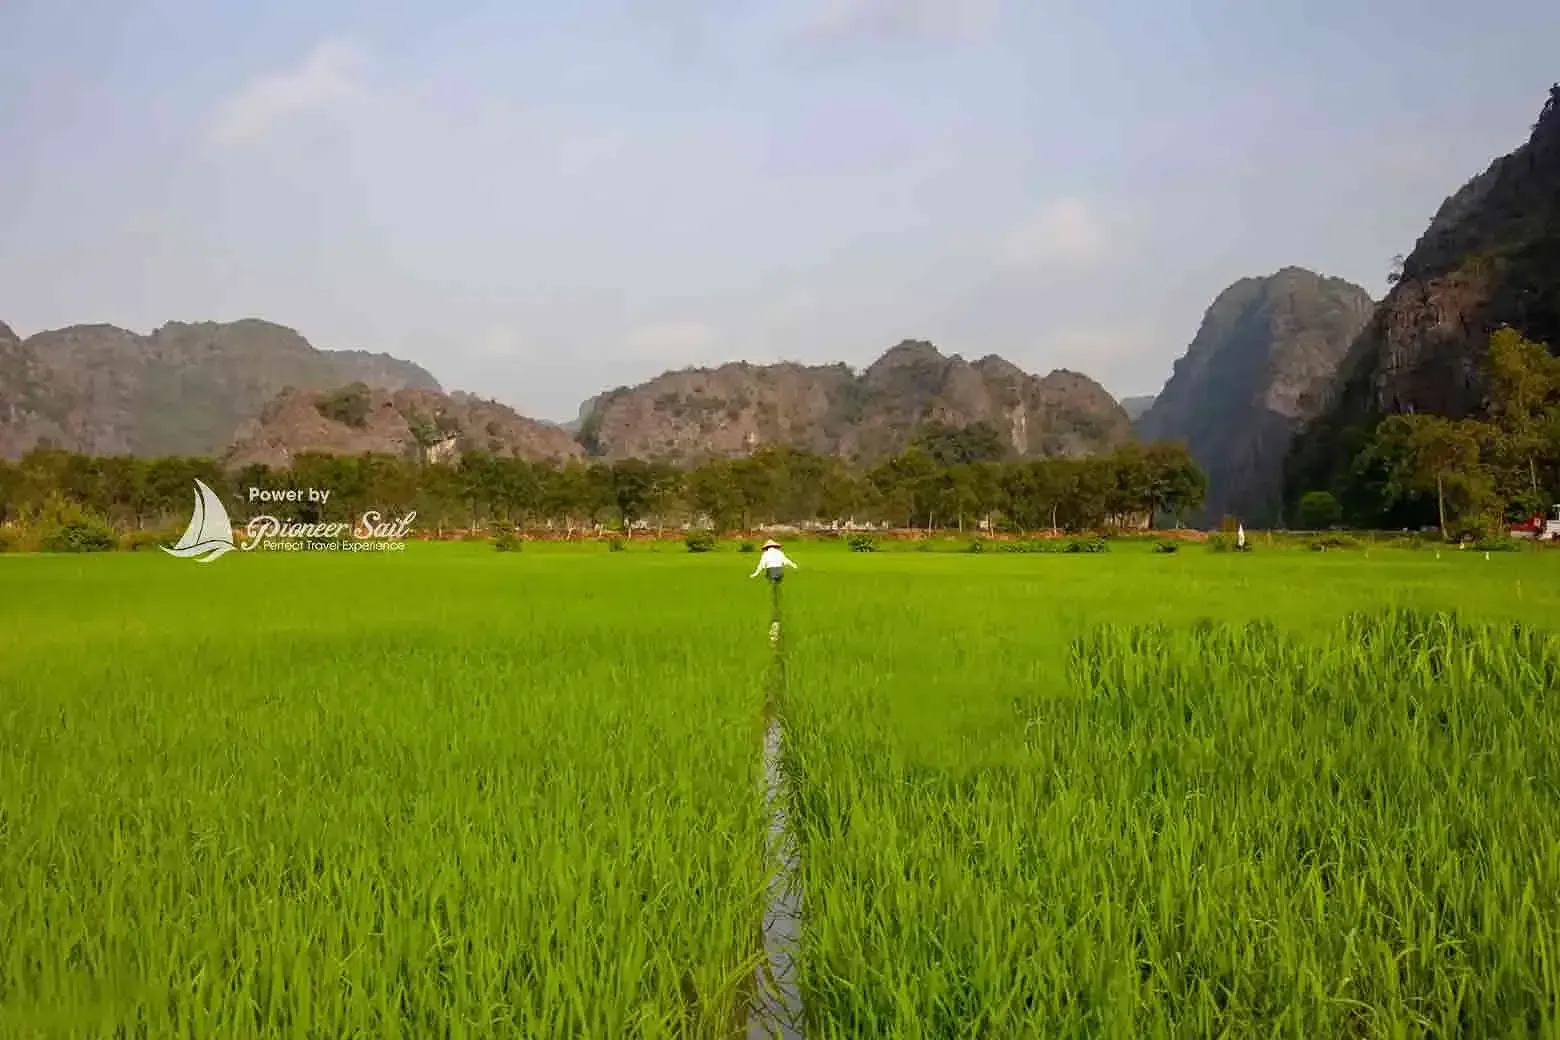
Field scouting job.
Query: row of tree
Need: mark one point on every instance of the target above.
(1466, 475)
(945, 479)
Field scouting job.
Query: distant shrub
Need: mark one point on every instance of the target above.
(1167, 545)
(78, 536)
(143, 541)
(1041, 545)
(615, 545)
(747, 547)
(862, 543)
(1088, 545)
(62, 526)
(1334, 541)
(1475, 529)
(1221, 543)
(10, 540)
(348, 405)
(700, 542)
(1507, 544)
(504, 539)
(976, 546)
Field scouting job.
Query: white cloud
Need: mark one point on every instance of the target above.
(327, 78)
(1069, 232)
(936, 19)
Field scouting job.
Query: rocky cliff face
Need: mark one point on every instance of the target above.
(1257, 369)
(1490, 257)
(417, 424)
(696, 414)
(183, 390)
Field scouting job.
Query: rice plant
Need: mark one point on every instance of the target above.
(1214, 828)
(343, 798)
(467, 793)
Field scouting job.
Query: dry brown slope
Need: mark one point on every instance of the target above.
(424, 424)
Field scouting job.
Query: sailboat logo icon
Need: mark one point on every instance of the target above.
(210, 533)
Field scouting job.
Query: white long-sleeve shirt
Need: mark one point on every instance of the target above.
(771, 558)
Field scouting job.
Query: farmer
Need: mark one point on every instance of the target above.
(772, 560)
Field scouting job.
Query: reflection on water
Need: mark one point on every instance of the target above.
(778, 1005)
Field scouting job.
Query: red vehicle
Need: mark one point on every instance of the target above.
(1537, 527)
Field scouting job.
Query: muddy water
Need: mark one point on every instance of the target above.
(777, 1008)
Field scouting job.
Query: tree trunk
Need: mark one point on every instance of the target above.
(1440, 502)
(1053, 519)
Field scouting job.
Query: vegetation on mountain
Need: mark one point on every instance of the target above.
(349, 406)
(1489, 260)
(952, 446)
(1257, 368)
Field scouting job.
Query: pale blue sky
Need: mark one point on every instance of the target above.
(538, 202)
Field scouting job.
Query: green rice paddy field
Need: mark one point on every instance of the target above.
(452, 792)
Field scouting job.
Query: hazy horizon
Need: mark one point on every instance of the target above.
(538, 205)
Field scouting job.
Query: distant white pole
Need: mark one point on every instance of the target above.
(1240, 535)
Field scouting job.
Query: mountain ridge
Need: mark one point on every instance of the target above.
(182, 389)
(245, 390)
(695, 413)
(1257, 369)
